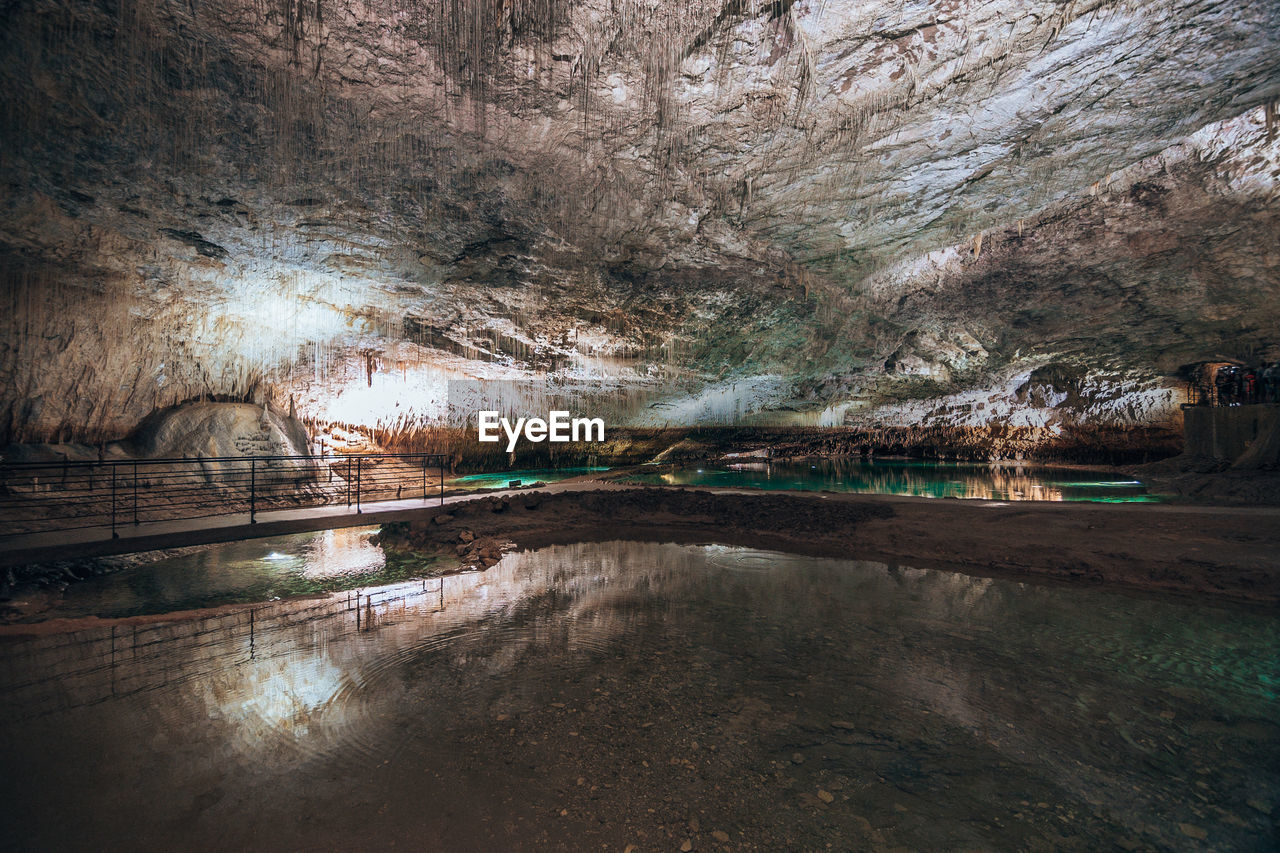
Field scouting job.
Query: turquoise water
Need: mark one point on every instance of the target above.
(1002, 482)
(502, 479)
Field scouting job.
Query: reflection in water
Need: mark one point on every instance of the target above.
(237, 572)
(334, 553)
(600, 695)
(1001, 482)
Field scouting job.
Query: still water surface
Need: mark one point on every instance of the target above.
(1004, 482)
(527, 476)
(251, 570)
(596, 696)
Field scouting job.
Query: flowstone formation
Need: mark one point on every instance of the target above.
(676, 212)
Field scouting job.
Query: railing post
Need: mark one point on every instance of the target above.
(424, 479)
(114, 535)
(135, 493)
(359, 460)
(441, 460)
(348, 480)
(253, 490)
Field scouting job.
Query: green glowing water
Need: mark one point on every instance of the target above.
(1003, 482)
(502, 479)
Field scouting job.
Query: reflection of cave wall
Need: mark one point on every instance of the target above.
(138, 656)
(262, 670)
(608, 657)
(238, 659)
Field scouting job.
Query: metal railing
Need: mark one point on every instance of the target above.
(69, 495)
(1204, 394)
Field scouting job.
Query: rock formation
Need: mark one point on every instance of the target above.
(684, 212)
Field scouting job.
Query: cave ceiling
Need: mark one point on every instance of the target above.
(708, 209)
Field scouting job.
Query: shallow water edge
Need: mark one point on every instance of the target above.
(1180, 550)
(600, 695)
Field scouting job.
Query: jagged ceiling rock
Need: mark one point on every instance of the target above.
(1171, 261)
(740, 206)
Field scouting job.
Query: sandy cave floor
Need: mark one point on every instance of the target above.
(1221, 551)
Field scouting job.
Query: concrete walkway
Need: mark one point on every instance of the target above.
(180, 532)
(177, 533)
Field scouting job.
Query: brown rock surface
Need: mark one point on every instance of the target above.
(1208, 550)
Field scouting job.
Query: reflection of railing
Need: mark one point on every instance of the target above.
(40, 675)
(67, 495)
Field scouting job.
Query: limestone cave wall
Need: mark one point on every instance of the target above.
(708, 212)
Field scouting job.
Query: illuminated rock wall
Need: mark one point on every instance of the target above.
(692, 213)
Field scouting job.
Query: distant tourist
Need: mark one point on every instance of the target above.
(1238, 385)
(1271, 383)
(1222, 384)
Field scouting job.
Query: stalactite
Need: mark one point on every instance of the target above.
(417, 152)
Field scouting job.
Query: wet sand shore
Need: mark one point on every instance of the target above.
(1231, 552)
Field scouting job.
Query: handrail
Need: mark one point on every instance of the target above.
(46, 496)
(191, 460)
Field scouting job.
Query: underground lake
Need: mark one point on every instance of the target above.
(637, 695)
(922, 478)
(522, 477)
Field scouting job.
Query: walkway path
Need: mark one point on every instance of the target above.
(177, 533)
(180, 532)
